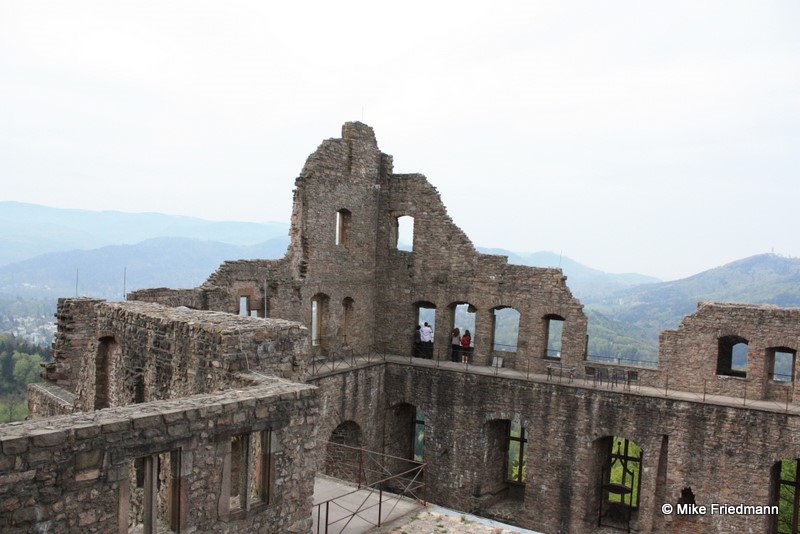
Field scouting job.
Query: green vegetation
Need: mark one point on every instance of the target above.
(788, 487)
(635, 316)
(419, 435)
(625, 466)
(517, 471)
(19, 366)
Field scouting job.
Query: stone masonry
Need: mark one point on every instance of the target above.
(386, 285)
(208, 409)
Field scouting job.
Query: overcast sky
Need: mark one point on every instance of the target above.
(652, 137)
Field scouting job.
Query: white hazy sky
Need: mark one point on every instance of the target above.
(660, 137)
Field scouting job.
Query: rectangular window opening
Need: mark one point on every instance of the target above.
(404, 238)
(782, 366)
(252, 469)
(555, 331)
(505, 330)
(154, 502)
(517, 455)
(418, 445)
(244, 306)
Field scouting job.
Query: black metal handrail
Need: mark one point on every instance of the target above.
(411, 486)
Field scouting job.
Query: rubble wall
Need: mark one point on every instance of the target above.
(144, 351)
(688, 354)
(73, 473)
(724, 454)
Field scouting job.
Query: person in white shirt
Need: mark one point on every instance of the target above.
(426, 337)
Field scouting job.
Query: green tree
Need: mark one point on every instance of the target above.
(26, 368)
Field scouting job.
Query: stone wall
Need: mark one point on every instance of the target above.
(76, 473)
(143, 351)
(191, 298)
(356, 396)
(689, 353)
(367, 293)
(47, 400)
(724, 454)
(368, 290)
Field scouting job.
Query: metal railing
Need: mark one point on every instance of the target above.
(389, 478)
(777, 391)
(619, 360)
(334, 353)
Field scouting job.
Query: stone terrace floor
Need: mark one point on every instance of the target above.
(437, 520)
(348, 498)
(341, 365)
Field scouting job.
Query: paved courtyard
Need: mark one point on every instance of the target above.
(437, 520)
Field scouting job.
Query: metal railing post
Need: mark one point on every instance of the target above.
(360, 465)
(744, 399)
(327, 515)
(380, 503)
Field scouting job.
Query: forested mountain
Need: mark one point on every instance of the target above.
(626, 311)
(650, 308)
(162, 262)
(585, 282)
(28, 230)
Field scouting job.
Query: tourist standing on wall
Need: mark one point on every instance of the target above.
(466, 340)
(455, 345)
(417, 343)
(426, 336)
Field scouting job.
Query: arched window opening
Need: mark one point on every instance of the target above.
(342, 453)
(319, 314)
(344, 324)
(426, 326)
(505, 330)
(106, 351)
(732, 357)
(343, 217)
(553, 330)
(620, 482)
(786, 495)
(404, 233)
(462, 335)
(780, 363)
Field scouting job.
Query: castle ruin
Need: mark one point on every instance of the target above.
(209, 409)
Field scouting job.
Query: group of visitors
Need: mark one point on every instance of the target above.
(460, 349)
(423, 342)
(460, 346)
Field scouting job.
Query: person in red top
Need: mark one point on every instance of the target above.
(466, 341)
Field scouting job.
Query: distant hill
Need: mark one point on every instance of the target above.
(626, 311)
(28, 230)
(650, 308)
(162, 262)
(585, 282)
